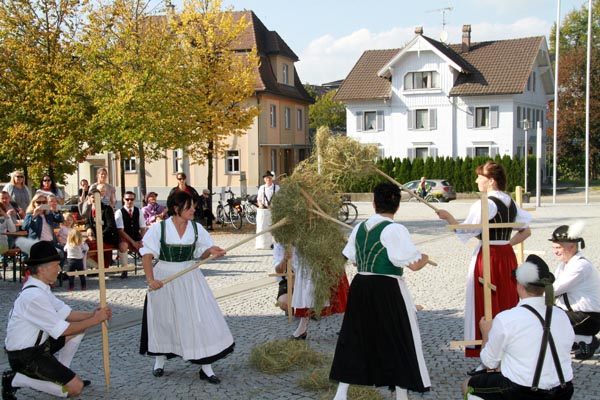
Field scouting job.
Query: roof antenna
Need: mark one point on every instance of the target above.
(443, 34)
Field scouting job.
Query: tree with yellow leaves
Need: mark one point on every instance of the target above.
(43, 110)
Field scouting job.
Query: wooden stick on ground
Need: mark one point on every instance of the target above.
(410, 192)
(102, 287)
(193, 267)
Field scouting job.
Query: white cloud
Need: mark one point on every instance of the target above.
(328, 58)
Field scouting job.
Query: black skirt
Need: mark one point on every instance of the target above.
(376, 346)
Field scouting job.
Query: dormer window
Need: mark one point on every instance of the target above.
(422, 80)
(285, 75)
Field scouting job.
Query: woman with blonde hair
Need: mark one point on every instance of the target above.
(40, 219)
(108, 197)
(18, 191)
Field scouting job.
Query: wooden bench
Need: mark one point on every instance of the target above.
(15, 254)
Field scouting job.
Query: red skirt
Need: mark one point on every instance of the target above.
(337, 301)
(502, 262)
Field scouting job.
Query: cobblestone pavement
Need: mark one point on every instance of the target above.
(247, 298)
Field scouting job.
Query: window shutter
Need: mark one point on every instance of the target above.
(493, 151)
(380, 120)
(470, 151)
(493, 116)
(433, 152)
(518, 117)
(432, 119)
(411, 120)
(359, 121)
(410, 153)
(470, 114)
(408, 82)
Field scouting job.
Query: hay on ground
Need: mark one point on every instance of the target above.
(282, 355)
(355, 393)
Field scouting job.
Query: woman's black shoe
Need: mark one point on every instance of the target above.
(158, 372)
(301, 337)
(211, 379)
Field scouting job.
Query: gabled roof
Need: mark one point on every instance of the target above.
(363, 83)
(269, 43)
(489, 68)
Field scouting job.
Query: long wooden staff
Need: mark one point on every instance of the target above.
(102, 286)
(281, 222)
(410, 192)
(323, 214)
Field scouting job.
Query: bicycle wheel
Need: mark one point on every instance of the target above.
(432, 199)
(235, 218)
(412, 199)
(343, 213)
(250, 213)
(352, 213)
(220, 215)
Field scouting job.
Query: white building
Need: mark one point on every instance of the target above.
(434, 99)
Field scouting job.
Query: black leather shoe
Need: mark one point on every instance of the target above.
(8, 391)
(211, 379)
(301, 337)
(86, 382)
(158, 372)
(586, 351)
(124, 275)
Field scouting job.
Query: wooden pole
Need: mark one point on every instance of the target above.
(102, 287)
(519, 200)
(238, 244)
(410, 192)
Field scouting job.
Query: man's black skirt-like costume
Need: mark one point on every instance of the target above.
(379, 342)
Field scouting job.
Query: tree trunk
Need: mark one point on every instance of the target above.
(209, 160)
(142, 172)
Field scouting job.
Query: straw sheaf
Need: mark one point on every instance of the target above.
(319, 242)
(282, 355)
(342, 160)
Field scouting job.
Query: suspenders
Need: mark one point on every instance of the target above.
(546, 339)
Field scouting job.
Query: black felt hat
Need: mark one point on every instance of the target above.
(534, 271)
(41, 253)
(566, 233)
(268, 173)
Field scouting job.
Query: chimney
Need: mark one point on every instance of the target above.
(466, 38)
(419, 30)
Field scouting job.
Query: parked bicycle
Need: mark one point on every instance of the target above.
(348, 211)
(429, 197)
(229, 211)
(249, 206)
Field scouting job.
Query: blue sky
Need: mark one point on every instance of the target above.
(329, 36)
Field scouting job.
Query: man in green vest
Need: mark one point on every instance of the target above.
(379, 343)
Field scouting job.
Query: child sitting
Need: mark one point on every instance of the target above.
(75, 249)
(66, 227)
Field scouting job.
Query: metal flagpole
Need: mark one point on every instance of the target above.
(555, 141)
(587, 105)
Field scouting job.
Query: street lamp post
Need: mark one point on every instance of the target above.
(525, 129)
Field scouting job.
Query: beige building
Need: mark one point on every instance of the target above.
(277, 140)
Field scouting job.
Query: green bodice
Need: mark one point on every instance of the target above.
(371, 255)
(176, 252)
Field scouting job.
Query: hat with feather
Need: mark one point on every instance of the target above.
(566, 233)
(534, 271)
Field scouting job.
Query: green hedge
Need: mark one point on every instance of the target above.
(460, 172)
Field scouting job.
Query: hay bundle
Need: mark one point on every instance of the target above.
(340, 160)
(318, 241)
(283, 355)
(356, 393)
(316, 380)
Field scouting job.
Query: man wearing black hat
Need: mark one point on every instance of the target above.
(531, 342)
(44, 333)
(264, 199)
(577, 288)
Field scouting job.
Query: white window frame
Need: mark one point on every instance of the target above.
(232, 162)
(288, 117)
(361, 120)
(285, 74)
(177, 161)
(300, 122)
(422, 80)
(129, 164)
(273, 115)
(474, 117)
(416, 115)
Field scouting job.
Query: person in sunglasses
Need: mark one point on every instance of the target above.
(182, 186)
(48, 187)
(131, 226)
(18, 191)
